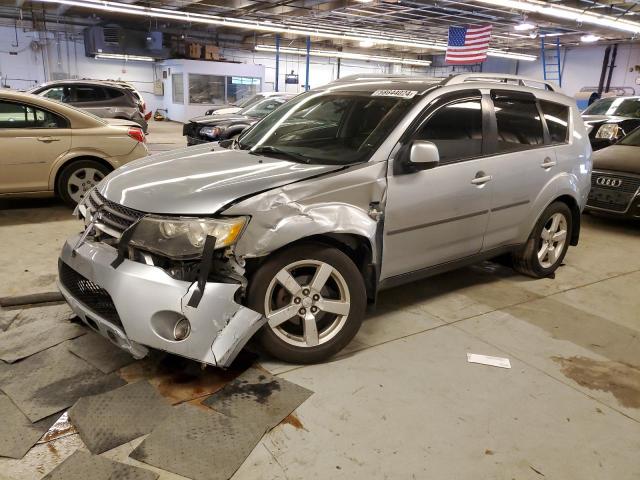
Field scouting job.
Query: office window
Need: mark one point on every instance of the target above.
(239, 88)
(207, 89)
(177, 88)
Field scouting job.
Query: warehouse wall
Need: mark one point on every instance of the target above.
(582, 67)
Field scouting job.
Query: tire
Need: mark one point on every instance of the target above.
(291, 340)
(532, 260)
(77, 178)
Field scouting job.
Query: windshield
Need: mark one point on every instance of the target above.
(632, 140)
(250, 100)
(327, 127)
(621, 107)
(263, 108)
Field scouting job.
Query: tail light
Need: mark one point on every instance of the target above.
(148, 116)
(137, 134)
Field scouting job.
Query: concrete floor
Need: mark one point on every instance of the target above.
(401, 401)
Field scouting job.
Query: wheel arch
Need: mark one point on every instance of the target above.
(571, 202)
(357, 247)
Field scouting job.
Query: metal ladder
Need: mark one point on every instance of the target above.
(551, 67)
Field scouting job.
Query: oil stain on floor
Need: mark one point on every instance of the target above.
(620, 379)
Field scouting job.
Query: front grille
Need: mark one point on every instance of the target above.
(613, 207)
(629, 184)
(92, 296)
(190, 129)
(114, 216)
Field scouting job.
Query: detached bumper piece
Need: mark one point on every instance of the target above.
(139, 306)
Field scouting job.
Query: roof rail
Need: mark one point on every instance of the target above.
(500, 78)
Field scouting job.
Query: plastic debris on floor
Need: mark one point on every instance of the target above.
(110, 419)
(488, 360)
(31, 338)
(83, 466)
(100, 352)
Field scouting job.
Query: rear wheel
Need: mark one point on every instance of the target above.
(314, 299)
(77, 178)
(548, 243)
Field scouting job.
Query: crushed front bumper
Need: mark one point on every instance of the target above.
(135, 306)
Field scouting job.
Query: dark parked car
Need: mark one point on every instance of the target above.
(212, 128)
(610, 119)
(615, 181)
(106, 99)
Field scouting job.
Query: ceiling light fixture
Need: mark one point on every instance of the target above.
(567, 13)
(524, 26)
(348, 55)
(589, 38)
(290, 28)
(126, 58)
(367, 43)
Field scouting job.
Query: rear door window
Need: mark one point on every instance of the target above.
(18, 115)
(557, 118)
(519, 124)
(90, 93)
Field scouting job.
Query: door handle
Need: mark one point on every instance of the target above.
(548, 163)
(481, 178)
(48, 139)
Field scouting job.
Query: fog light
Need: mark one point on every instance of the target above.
(182, 329)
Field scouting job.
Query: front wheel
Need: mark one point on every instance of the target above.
(548, 243)
(314, 299)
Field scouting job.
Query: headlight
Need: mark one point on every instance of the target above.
(183, 238)
(210, 132)
(610, 131)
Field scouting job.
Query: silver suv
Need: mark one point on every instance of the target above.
(286, 233)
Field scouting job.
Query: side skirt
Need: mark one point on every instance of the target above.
(409, 277)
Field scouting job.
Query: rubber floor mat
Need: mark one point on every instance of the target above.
(199, 443)
(18, 434)
(84, 466)
(110, 419)
(52, 380)
(100, 352)
(259, 396)
(33, 337)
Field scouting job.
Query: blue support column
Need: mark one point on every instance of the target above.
(306, 86)
(277, 61)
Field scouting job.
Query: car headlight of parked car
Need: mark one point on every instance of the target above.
(183, 238)
(609, 131)
(210, 132)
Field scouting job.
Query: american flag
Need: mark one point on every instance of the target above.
(467, 45)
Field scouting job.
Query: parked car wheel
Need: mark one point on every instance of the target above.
(314, 299)
(77, 178)
(548, 243)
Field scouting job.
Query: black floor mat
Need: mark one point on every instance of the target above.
(110, 419)
(84, 466)
(100, 352)
(53, 380)
(18, 434)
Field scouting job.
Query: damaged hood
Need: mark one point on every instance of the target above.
(200, 180)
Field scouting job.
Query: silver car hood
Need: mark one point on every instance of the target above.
(200, 180)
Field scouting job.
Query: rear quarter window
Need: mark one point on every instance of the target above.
(557, 118)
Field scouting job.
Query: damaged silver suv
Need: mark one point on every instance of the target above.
(286, 233)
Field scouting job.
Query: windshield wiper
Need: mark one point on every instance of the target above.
(275, 150)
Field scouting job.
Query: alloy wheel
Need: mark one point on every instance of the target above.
(552, 240)
(307, 303)
(81, 181)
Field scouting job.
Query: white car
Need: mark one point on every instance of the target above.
(49, 147)
(243, 103)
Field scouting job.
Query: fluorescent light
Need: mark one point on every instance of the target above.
(589, 38)
(524, 26)
(349, 55)
(353, 34)
(567, 13)
(367, 43)
(126, 58)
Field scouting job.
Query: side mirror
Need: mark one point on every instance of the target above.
(418, 155)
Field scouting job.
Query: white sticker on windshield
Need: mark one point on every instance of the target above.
(395, 93)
